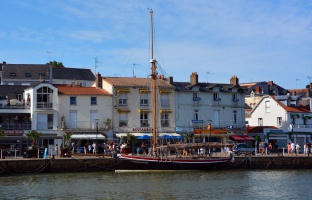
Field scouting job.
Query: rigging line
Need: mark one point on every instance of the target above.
(132, 49)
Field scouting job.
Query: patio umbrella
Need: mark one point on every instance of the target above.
(144, 137)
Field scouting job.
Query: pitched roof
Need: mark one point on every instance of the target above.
(36, 71)
(73, 73)
(6, 90)
(64, 89)
(187, 86)
(135, 82)
(290, 108)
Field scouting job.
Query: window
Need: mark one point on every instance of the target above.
(12, 74)
(144, 119)
(27, 74)
(44, 97)
(164, 118)
(279, 122)
(195, 96)
(216, 97)
(73, 101)
(122, 99)
(267, 106)
(41, 74)
(234, 97)
(144, 99)
(50, 121)
(164, 100)
(93, 101)
(260, 122)
(235, 116)
(123, 120)
(196, 115)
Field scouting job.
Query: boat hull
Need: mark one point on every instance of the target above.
(127, 162)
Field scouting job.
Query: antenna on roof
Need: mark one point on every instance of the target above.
(49, 52)
(207, 73)
(95, 64)
(297, 79)
(133, 68)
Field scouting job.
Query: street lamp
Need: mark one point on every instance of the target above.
(97, 129)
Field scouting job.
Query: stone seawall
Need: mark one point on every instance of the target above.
(28, 166)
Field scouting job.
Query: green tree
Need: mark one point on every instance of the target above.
(56, 64)
(67, 136)
(34, 135)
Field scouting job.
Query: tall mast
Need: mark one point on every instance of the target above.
(153, 75)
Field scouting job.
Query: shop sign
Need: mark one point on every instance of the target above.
(13, 132)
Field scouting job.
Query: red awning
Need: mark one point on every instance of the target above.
(242, 137)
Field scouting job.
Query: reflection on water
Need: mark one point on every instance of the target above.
(273, 184)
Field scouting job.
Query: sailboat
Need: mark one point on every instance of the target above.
(160, 158)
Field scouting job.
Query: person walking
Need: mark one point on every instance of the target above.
(297, 148)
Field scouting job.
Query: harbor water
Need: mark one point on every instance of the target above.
(244, 184)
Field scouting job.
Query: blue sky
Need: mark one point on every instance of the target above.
(256, 40)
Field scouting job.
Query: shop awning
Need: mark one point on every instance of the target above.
(119, 135)
(294, 115)
(242, 137)
(88, 136)
(307, 116)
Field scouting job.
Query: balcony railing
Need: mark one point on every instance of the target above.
(16, 126)
(84, 125)
(45, 106)
(22, 106)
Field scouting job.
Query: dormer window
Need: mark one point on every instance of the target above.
(12, 74)
(27, 74)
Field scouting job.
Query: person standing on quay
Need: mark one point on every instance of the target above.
(288, 149)
(56, 150)
(292, 147)
(308, 148)
(297, 148)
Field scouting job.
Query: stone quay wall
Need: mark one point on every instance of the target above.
(33, 165)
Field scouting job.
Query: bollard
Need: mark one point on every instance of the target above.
(283, 151)
(15, 153)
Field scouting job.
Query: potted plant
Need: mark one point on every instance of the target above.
(34, 135)
(65, 149)
(108, 123)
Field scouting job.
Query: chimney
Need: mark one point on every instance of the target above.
(194, 78)
(98, 80)
(270, 83)
(3, 62)
(234, 80)
(170, 79)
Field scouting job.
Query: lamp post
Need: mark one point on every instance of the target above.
(97, 129)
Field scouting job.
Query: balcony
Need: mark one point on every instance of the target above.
(217, 99)
(45, 106)
(16, 126)
(84, 126)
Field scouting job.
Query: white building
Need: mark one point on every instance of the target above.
(84, 111)
(209, 110)
(294, 122)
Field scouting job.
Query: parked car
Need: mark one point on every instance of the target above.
(242, 148)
